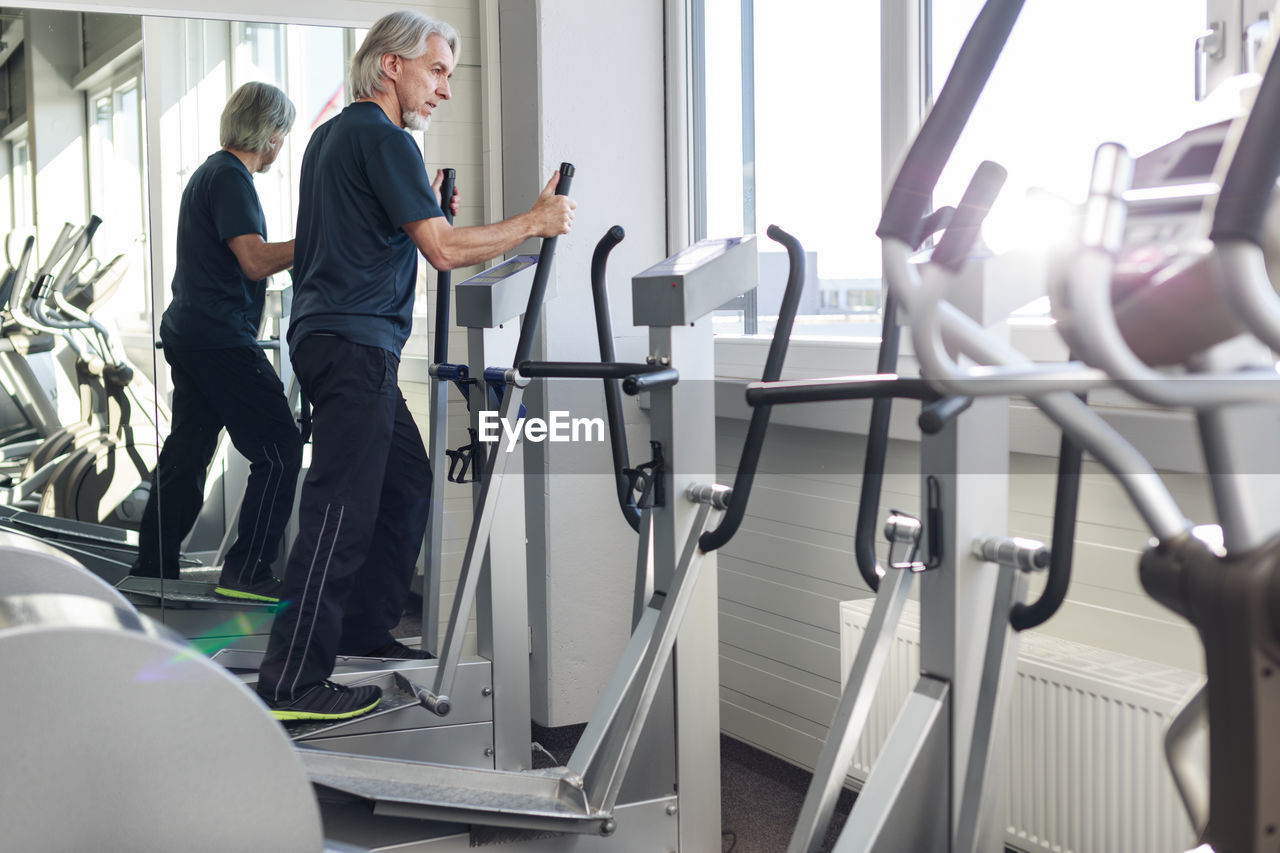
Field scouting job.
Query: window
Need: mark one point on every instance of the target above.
(259, 54)
(1063, 86)
(790, 92)
(22, 186)
(308, 63)
(792, 138)
(116, 190)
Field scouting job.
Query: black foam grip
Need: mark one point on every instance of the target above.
(444, 280)
(1061, 551)
(639, 382)
(877, 387)
(937, 221)
(1251, 177)
(936, 415)
(961, 235)
(538, 292)
(913, 187)
(612, 394)
(754, 443)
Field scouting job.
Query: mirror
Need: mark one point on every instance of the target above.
(192, 68)
(110, 115)
(239, 512)
(78, 420)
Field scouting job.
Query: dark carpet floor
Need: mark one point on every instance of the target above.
(760, 795)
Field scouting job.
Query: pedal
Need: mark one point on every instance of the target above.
(645, 481)
(466, 459)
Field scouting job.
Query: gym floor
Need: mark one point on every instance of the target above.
(760, 795)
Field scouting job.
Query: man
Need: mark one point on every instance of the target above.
(220, 375)
(367, 208)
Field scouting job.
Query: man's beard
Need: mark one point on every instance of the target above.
(414, 120)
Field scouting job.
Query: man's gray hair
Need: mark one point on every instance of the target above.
(254, 113)
(401, 33)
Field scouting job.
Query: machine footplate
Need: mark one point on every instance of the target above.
(185, 592)
(535, 799)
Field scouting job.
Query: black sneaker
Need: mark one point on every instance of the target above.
(396, 650)
(328, 700)
(266, 591)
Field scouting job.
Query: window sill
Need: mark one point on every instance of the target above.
(1167, 437)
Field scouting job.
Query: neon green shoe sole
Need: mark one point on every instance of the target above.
(286, 715)
(246, 595)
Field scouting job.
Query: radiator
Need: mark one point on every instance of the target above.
(1085, 768)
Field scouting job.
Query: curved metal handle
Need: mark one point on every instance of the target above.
(733, 516)
(913, 187)
(612, 396)
(1251, 177)
(1062, 548)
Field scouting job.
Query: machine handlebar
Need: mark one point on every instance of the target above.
(1251, 177)
(541, 274)
(962, 233)
(713, 539)
(913, 188)
(444, 279)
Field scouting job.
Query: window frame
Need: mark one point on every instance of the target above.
(905, 96)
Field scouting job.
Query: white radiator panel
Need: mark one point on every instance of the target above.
(1086, 770)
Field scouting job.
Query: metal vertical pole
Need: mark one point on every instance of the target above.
(687, 410)
(502, 601)
(433, 558)
(956, 598)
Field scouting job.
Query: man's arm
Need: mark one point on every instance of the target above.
(259, 259)
(448, 248)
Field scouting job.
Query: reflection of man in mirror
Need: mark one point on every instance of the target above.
(367, 208)
(221, 377)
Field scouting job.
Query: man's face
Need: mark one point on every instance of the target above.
(274, 145)
(424, 83)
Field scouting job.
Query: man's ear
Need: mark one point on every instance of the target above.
(390, 64)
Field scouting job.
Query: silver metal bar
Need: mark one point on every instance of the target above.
(644, 569)
(433, 563)
(851, 714)
(473, 559)
(904, 804)
(602, 778)
(586, 753)
(977, 798)
(1186, 748)
(1012, 552)
(1248, 290)
(1134, 473)
(1240, 453)
(716, 495)
(1097, 331)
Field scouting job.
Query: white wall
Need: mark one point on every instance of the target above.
(784, 574)
(597, 102)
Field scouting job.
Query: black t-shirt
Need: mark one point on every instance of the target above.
(215, 304)
(354, 267)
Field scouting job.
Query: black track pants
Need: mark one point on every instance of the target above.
(238, 388)
(362, 516)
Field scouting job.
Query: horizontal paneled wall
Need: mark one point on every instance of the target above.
(785, 573)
